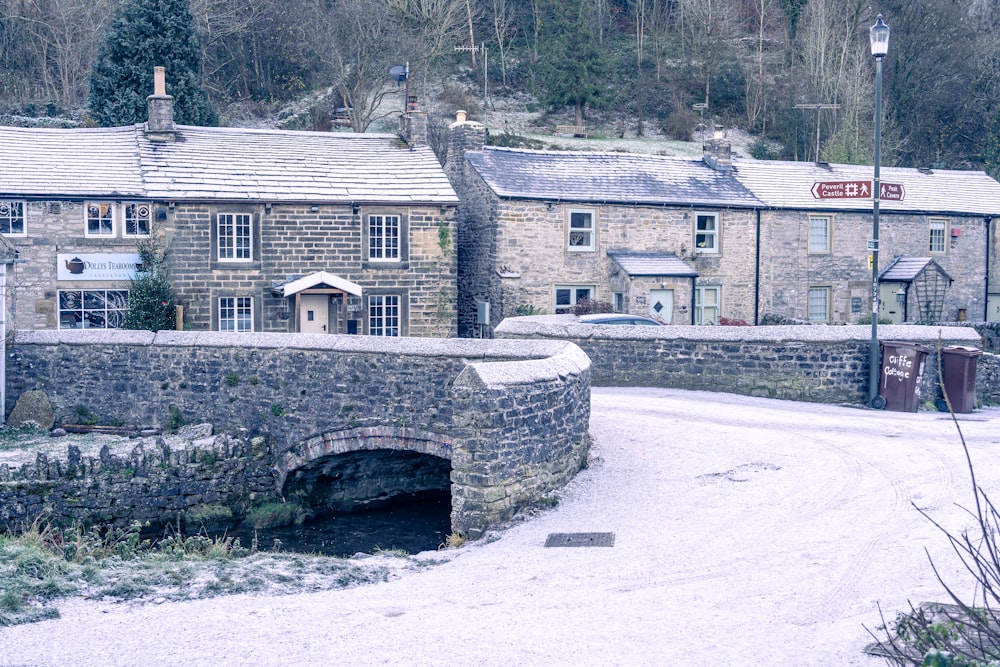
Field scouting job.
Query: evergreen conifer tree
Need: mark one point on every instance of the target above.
(574, 70)
(151, 303)
(144, 34)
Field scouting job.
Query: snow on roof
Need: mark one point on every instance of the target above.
(224, 164)
(596, 177)
(652, 264)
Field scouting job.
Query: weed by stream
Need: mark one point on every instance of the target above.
(40, 565)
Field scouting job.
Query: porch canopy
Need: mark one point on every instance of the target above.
(315, 280)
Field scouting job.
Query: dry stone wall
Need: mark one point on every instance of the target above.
(824, 364)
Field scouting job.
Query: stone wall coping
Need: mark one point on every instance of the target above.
(469, 349)
(567, 327)
(569, 361)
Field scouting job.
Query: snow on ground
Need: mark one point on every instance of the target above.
(747, 531)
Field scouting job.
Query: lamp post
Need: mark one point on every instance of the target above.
(879, 37)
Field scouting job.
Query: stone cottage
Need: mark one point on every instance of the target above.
(264, 230)
(698, 240)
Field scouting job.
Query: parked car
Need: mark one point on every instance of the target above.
(619, 318)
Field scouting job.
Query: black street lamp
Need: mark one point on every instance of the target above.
(879, 37)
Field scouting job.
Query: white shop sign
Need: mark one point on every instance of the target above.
(96, 266)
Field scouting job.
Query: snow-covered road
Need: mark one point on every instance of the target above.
(747, 531)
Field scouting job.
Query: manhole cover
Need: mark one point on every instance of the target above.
(580, 540)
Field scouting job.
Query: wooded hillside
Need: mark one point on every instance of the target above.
(638, 63)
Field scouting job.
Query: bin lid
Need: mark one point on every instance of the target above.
(899, 343)
(962, 350)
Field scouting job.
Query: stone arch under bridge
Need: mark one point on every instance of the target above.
(366, 467)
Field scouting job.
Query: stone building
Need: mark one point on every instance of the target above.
(264, 230)
(693, 241)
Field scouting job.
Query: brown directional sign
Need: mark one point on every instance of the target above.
(856, 190)
(891, 191)
(842, 189)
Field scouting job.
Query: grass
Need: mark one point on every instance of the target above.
(40, 565)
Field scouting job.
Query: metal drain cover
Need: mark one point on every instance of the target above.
(580, 540)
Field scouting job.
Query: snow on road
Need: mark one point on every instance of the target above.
(747, 531)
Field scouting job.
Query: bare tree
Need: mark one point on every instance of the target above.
(62, 38)
(358, 41)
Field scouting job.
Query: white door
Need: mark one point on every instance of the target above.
(889, 305)
(993, 308)
(661, 305)
(314, 313)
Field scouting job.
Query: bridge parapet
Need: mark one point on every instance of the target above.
(512, 414)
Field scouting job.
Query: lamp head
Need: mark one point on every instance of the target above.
(879, 37)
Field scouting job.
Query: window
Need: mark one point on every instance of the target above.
(100, 219)
(12, 218)
(938, 232)
(92, 308)
(383, 315)
(235, 237)
(706, 305)
(581, 231)
(618, 299)
(383, 237)
(567, 296)
(819, 304)
(236, 313)
(706, 233)
(137, 217)
(820, 227)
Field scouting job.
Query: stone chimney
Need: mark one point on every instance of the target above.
(160, 122)
(415, 127)
(718, 151)
(464, 135)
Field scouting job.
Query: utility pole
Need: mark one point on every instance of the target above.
(486, 69)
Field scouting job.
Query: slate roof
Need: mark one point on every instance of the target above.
(220, 164)
(620, 178)
(652, 264)
(906, 269)
(788, 185)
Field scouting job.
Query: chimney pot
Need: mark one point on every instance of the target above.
(159, 81)
(460, 116)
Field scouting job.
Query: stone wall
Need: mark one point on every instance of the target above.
(289, 241)
(512, 416)
(785, 234)
(149, 481)
(825, 364)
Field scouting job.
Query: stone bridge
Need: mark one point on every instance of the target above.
(502, 423)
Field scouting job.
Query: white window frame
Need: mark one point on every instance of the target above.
(581, 239)
(385, 314)
(103, 215)
(234, 237)
(134, 214)
(11, 210)
(96, 308)
(820, 225)
(708, 234)
(385, 240)
(574, 296)
(235, 313)
(937, 229)
(818, 304)
(700, 307)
